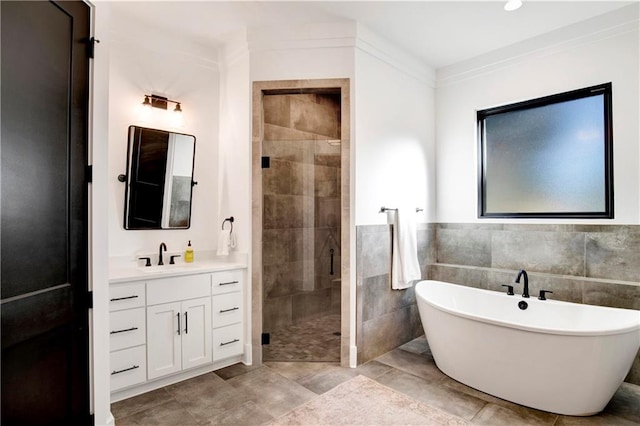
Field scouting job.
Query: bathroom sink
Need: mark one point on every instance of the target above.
(156, 269)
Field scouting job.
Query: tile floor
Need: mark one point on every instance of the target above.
(254, 395)
(312, 340)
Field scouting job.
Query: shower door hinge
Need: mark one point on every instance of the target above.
(266, 338)
(266, 162)
(88, 173)
(90, 299)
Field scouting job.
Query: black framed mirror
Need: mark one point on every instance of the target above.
(159, 180)
(550, 157)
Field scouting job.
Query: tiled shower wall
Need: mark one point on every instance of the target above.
(301, 209)
(593, 264)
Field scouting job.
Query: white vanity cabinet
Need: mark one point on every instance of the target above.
(168, 328)
(178, 324)
(226, 290)
(127, 335)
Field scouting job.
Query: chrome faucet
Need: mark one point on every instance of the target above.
(522, 272)
(164, 246)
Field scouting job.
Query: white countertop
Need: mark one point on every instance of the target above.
(128, 269)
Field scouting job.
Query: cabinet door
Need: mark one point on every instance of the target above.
(164, 328)
(196, 332)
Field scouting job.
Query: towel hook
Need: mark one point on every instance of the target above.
(230, 220)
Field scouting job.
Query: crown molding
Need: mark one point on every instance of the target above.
(126, 32)
(614, 24)
(343, 34)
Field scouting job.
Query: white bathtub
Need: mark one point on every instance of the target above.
(561, 357)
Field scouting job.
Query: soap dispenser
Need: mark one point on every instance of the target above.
(188, 253)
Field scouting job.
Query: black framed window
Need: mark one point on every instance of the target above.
(550, 157)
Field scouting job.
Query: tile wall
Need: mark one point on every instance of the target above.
(593, 264)
(385, 318)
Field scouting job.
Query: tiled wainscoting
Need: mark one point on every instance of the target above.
(385, 318)
(593, 264)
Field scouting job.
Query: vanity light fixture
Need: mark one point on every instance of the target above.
(159, 102)
(162, 102)
(512, 5)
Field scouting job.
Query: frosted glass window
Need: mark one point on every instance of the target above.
(549, 157)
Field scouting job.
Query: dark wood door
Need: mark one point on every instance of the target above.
(44, 310)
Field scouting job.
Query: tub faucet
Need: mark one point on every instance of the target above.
(525, 292)
(164, 246)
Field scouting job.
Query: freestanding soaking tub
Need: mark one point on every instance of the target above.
(562, 357)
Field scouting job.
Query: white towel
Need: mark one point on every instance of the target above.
(224, 242)
(404, 258)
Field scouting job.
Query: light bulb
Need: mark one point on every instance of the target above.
(144, 111)
(177, 119)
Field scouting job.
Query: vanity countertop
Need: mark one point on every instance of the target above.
(130, 271)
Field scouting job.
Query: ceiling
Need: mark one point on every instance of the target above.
(439, 33)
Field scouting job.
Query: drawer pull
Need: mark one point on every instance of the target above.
(124, 298)
(222, 311)
(126, 369)
(122, 331)
(229, 283)
(230, 342)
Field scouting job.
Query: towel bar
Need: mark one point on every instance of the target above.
(384, 209)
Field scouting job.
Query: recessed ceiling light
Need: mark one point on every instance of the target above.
(512, 5)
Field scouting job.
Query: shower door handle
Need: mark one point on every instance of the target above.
(331, 271)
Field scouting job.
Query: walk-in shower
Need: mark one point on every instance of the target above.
(301, 253)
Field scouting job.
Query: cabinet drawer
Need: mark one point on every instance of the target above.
(227, 341)
(127, 328)
(128, 367)
(227, 309)
(174, 289)
(226, 281)
(126, 296)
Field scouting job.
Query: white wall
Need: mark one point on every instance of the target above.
(149, 62)
(596, 51)
(394, 126)
(302, 52)
(234, 174)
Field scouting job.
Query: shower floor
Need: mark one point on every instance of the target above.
(317, 339)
